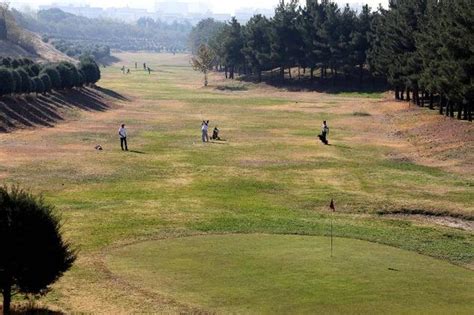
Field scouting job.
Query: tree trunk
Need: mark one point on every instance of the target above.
(451, 109)
(441, 103)
(312, 74)
(402, 95)
(431, 100)
(7, 299)
(466, 108)
(259, 75)
(459, 108)
(397, 93)
(469, 111)
(299, 73)
(226, 74)
(282, 72)
(447, 107)
(205, 79)
(289, 72)
(408, 95)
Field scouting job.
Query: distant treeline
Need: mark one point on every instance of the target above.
(423, 48)
(24, 76)
(78, 50)
(145, 34)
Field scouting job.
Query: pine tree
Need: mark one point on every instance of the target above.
(256, 36)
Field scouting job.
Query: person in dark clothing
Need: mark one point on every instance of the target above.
(324, 133)
(215, 134)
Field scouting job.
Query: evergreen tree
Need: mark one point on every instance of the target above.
(233, 45)
(34, 255)
(7, 85)
(54, 76)
(257, 49)
(46, 82)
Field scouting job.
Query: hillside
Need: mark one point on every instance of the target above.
(44, 51)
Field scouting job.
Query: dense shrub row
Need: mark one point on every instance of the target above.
(77, 49)
(24, 76)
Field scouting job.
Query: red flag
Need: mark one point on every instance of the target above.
(332, 205)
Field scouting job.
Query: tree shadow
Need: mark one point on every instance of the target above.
(111, 93)
(34, 311)
(331, 85)
(47, 110)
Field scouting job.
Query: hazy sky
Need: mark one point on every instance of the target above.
(219, 6)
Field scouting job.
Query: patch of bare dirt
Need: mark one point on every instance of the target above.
(437, 220)
(432, 139)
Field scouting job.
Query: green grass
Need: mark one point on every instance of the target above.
(267, 274)
(271, 176)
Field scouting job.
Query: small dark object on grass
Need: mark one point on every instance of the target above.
(361, 114)
(99, 147)
(393, 269)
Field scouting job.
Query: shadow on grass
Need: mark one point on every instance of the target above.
(47, 110)
(338, 85)
(136, 152)
(111, 93)
(32, 311)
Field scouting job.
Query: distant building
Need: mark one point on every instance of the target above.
(172, 8)
(127, 14)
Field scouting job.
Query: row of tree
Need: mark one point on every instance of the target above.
(24, 76)
(78, 49)
(423, 48)
(145, 34)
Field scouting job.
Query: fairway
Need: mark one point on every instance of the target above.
(241, 225)
(293, 274)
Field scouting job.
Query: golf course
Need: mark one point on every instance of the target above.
(243, 225)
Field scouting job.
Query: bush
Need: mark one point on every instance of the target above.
(7, 85)
(90, 69)
(46, 82)
(34, 255)
(17, 81)
(39, 86)
(26, 86)
(67, 77)
(54, 76)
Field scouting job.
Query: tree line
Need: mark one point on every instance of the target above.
(422, 48)
(78, 50)
(145, 34)
(24, 76)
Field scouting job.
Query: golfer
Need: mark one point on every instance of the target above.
(123, 138)
(324, 133)
(204, 129)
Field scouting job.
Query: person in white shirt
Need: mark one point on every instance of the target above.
(123, 138)
(204, 129)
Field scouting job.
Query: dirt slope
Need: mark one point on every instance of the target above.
(44, 51)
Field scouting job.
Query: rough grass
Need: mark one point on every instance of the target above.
(270, 176)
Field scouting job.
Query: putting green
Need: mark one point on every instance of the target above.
(294, 274)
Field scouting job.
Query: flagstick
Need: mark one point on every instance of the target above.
(332, 215)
